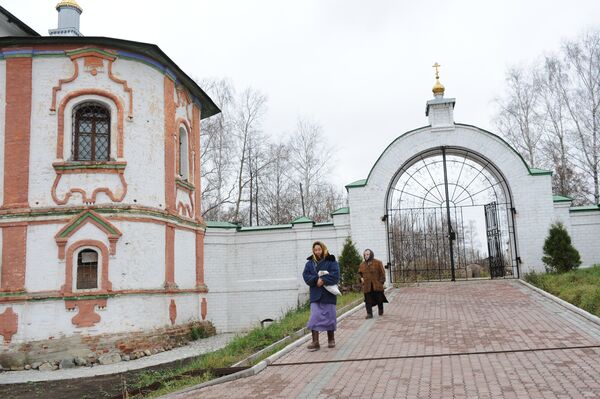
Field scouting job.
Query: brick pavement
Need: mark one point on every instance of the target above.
(484, 339)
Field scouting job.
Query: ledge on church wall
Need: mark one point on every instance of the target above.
(85, 166)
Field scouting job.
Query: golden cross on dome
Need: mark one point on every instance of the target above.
(437, 72)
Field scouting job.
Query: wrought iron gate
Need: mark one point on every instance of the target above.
(494, 238)
(439, 204)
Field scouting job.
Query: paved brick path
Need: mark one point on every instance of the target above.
(487, 339)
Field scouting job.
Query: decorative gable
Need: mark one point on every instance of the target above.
(113, 234)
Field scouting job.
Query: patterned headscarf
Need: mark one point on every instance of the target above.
(323, 247)
(371, 255)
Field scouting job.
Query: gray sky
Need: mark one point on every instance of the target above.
(361, 69)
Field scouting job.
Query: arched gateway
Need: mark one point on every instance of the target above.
(452, 201)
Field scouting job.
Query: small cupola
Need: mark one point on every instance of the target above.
(68, 19)
(440, 110)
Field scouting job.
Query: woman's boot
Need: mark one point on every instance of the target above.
(314, 345)
(331, 339)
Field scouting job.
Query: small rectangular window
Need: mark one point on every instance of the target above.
(87, 269)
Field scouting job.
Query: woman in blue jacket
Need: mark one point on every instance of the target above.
(322, 302)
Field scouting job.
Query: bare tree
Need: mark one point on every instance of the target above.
(581, 94)
(557, 146)
(216, 144)
(247, 124)
(519, 120)
(310, 158)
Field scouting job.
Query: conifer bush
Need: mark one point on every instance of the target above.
(560, 255)
(349, 261)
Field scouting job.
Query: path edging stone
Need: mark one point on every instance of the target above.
(562, 302)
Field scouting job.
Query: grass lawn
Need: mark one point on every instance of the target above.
(580, 287)
(238, 349)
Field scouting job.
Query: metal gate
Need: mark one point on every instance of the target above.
(443, 207)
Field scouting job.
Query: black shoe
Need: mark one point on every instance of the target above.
(369, 316)
(381, 312)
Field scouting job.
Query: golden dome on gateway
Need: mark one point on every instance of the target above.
(70, 3)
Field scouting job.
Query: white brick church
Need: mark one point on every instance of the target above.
(103, 246)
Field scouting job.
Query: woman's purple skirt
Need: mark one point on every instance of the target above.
(322, 317)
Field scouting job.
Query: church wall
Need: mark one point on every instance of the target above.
(139, 243)
(257, 274)
(2, 121)
(143, 134)
(185, 259)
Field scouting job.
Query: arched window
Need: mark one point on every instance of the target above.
(91, 132)
(87, 269)
(183, 168)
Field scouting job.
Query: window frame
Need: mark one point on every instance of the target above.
(75, 266)
(183, 159)
(76, 134)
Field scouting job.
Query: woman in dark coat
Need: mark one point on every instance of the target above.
(321, 269)
(372, 277)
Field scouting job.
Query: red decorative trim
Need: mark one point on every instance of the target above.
(127, 89)
(87, 316)
(185, 210)
(187, 99)
(113, 236)
(172, 311)
(84, 198)
(17, 129)
(8, 324)
(14, 258)
(105, 284)
(196, 163)
(203, 308)
(61, 82)
(170, 257)
(83, 92)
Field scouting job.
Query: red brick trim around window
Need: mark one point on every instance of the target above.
(104, 285)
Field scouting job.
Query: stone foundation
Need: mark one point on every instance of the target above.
(92, 347)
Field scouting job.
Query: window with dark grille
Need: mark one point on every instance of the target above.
(87, 269)
(91, 133)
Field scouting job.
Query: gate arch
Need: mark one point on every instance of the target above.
(449, 215)
(528, 191)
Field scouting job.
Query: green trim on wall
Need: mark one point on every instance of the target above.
(585, 208)
(220, 225)
(560, 198)
(103, 211)
(83, 218)
(184, 184)
(341, 211)
(71, 166)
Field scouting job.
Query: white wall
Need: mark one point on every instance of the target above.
(255, 275)
(143, 135)
(40, 320)
(185, 259)
(585, 236)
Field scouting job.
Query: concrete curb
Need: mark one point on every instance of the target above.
(254, 370)
(563, 303)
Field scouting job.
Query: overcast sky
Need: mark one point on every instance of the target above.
(362, 69)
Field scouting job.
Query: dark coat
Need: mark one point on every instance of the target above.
(320, 294)
(373, 274)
